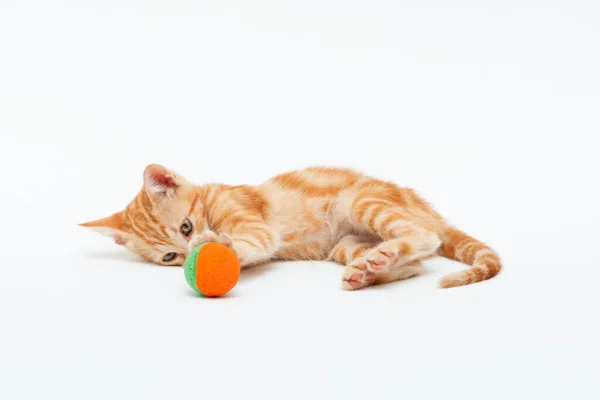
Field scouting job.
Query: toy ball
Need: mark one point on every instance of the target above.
(212, 269)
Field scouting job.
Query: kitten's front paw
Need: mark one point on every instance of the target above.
(209, 236)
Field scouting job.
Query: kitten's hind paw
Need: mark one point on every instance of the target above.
(357, 277)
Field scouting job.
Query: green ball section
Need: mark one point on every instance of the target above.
(189, 268)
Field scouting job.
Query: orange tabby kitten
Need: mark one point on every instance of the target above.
(378, 230)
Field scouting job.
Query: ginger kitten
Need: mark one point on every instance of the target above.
(377, 230)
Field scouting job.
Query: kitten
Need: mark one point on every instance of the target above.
(380, 232)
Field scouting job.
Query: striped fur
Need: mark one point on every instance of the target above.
(461, 247)
(378, 230)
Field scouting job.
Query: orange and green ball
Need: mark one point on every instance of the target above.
(212, 269)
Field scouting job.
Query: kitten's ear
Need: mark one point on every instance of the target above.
(159, 182)
(112, 226)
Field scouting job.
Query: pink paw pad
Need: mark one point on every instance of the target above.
(355, 279)
(378, 265)
(359, 279)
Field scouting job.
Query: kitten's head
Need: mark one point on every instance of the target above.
(160, 220)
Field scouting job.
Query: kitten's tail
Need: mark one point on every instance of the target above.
(484, 261)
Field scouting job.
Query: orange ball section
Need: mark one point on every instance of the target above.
(217, 270)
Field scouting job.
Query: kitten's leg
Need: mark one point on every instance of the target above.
(252, 243)
(347, 249)
(356, 276)
(409, 246)
(405, 237)
(351, 248)
(400, 272)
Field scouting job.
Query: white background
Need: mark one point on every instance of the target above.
(488, 109)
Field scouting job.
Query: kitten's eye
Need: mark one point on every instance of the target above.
(186, 227)
(169, 257)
